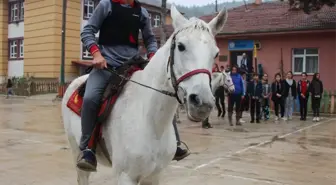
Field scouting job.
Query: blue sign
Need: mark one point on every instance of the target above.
(235, 45)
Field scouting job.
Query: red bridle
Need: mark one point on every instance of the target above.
(192, 73)
(170, 64)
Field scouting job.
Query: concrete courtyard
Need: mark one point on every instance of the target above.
(34, 151)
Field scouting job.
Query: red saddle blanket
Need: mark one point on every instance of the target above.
(75, 103)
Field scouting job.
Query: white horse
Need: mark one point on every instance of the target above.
(219, 79)
(139, 134)
(222, 79)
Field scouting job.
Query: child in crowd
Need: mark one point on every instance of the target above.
(316, 89)
(303, 95)
(266, 93)
(254, 90)
(277, 91)
(289, 94)
(245, 101)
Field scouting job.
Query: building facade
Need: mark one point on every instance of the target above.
(285, 40)
(31, 36)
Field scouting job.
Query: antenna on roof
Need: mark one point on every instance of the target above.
(246, 9)
(216, 6)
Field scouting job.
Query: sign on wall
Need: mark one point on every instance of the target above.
(240, 45)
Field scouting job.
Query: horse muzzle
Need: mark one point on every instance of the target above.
(199, 105)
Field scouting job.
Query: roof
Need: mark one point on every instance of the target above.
(271, 17)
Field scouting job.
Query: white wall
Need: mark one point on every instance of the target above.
(16, 30)
(83, 23)
(15, 68)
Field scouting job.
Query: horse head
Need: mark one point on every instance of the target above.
(227, 82)
(192, 54)
(222, 79)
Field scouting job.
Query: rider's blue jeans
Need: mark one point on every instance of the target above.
(95, 86)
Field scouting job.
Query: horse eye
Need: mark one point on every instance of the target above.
(180, 47)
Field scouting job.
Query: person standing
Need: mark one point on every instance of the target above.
(220, 98)
(303, 95)
(227, 68)
(316, 90)
(245, 101)
(289, 95)
(9, 87)
(278, 101)
(266, 93)
(236, 97)
(244, 64)
(215, 68)
(254, 91)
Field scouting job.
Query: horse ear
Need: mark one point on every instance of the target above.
(217, 23)
(214, 75)
(178, 19)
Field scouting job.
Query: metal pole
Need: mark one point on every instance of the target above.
(163, 22)
(216, 6)
(62, 81)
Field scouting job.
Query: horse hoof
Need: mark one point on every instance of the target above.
(85, 166)
(181, 154)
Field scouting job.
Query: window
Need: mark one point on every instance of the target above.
(157, 21)
(86, 55)
(150, 16)
(16, 49)
(22, 11)
(16, 11)
(89, 6)
(13, 52)
(305, 60)
(21, 49)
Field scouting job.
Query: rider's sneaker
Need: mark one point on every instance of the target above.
(87, 161)
(181, 154)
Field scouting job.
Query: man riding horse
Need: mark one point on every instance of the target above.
(118, 22)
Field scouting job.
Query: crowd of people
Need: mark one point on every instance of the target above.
(256, 95)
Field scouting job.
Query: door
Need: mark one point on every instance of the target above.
(236, 56)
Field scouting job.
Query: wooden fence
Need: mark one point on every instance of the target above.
(32, 88)
(328, 103)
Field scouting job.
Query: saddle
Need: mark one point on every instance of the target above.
(116, 83)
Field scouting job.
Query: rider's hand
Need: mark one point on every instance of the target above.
(99, 61)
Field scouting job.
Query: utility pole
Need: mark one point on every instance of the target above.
(216, 6)
(62, 80)
(163, 22)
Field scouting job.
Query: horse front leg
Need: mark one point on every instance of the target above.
(83, 177)
(153, 180)
(125, 179)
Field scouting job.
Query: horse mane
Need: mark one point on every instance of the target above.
(195, 25)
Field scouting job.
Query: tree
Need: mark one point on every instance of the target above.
(310, 5)
(163, 22)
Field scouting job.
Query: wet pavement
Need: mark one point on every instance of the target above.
(34, 151)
